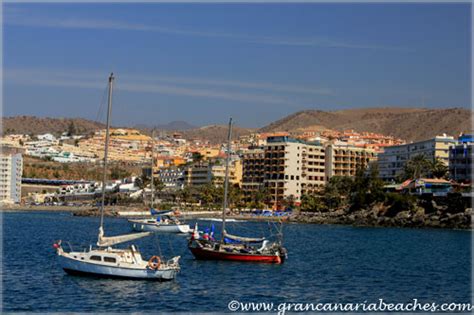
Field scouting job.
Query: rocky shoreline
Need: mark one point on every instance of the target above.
(375, 217)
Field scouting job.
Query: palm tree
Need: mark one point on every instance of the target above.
(185, 195)
(438, 168)
(417, 167)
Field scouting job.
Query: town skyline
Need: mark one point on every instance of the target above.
(255, 71)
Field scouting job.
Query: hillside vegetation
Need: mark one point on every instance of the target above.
(411, 124)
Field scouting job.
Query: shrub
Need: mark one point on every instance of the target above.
(397, 203)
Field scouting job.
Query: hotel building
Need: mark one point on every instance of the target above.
(253, 167)
(345, 159)
(206, 173)
(393, 159)
(460, 160)
(293, 167)
(11, 168)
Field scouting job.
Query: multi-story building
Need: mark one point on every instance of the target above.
(172, 178)
(345, 159)
(460, 159)
(11, 168)
(197, 174)
(213, 172)
(293, 167)
(235, 172)
(393, 159)
(253, 167)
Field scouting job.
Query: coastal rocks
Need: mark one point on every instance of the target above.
(376, 216)
(403, 215)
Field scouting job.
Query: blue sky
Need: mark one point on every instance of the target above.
(256, 62)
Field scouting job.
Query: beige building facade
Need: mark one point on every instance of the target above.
(292, 168)
(345, 159)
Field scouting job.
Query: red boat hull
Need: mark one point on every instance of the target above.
(206, 254)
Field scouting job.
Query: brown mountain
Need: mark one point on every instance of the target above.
(215, 133)
(406, 123)
(411, 124)
(38, 125)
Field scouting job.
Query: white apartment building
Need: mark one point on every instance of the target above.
(343, 159)
(293, 167)
(392, 161)
(11, 169)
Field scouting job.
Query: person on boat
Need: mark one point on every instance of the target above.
(195, 233)
(206, 235)
(211, 235)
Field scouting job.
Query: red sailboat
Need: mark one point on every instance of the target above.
(232, 247)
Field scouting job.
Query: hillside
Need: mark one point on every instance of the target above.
(215, 133)
(411, 124)
(172, 126)
(406, 123)
(37, 125)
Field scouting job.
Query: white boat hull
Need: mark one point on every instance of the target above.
(77, 267)
(160, 228)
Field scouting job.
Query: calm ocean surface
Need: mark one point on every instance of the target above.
(325, 264)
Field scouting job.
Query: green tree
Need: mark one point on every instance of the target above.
(367, 188)
(376, 185)
(312, 203)
(288, 201)
(208, 194)
(197, 157)
(438, 169)
(71, 129)
(236, 196)
(336, 192)
(260, 198)
(186, 195)
(417, 167)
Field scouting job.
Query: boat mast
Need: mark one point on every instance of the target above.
(106, 151)
(276, 195)
(226, 179)
(152, 185)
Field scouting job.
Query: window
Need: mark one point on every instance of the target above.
(110, 259)
(292, 177)
(97, 258)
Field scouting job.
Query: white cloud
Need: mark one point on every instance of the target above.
(21, 19)
(148, 84)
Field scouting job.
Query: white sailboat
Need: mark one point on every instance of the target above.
(106, 261)
(165, 221)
